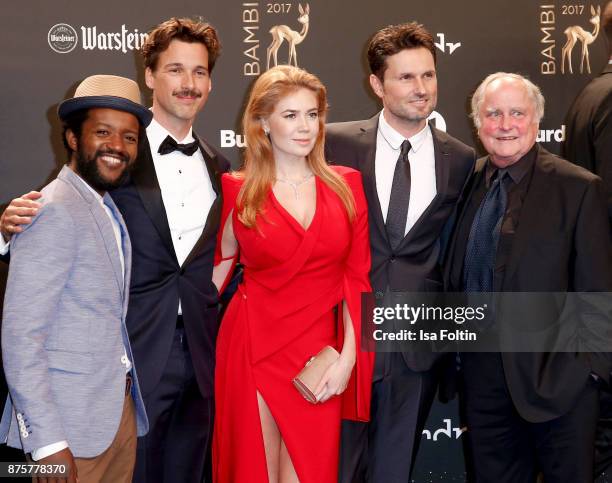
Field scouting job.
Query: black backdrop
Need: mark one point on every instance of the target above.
(49, 46)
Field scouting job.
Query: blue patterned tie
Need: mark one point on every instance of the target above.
(482, 244)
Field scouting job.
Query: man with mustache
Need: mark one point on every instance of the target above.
(413, 174)
(74, 396)
(171, 206)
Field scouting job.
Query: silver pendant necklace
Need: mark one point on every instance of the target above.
(296, 184)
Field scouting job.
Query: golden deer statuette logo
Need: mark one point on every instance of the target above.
(280, 33)
(576, 33)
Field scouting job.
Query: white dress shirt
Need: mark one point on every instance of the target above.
(4, 246)
(40, 453)
(422, 169)
(186, 191)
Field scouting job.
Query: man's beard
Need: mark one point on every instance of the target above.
(88, 170)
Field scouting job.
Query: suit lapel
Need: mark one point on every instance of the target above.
(147, 185)
(214, 214)
(110, 242)
(367, 162)
(536, 202)
(442, 164)
(101, 219)
(126, 248)
(454, 262)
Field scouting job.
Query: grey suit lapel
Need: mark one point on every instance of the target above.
(126, 247)
(101, 218)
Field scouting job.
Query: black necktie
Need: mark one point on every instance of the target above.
(169, 145)
(397, 214)
(479, 264)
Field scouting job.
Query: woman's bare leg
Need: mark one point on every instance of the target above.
(287, 471)
(271, 438)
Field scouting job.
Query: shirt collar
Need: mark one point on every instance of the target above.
(156, 134)
(516, 171)
(395, 139)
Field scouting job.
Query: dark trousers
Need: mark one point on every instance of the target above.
(177, 446)
(384, 450)
(603, 440)
(505, 448)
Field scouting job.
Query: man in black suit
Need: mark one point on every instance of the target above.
(588, 135)
(413, 175)
(530, 222)
(171, 206)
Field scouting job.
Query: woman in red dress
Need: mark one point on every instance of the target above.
(300, 229)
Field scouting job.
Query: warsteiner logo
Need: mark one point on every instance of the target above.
(62, 38)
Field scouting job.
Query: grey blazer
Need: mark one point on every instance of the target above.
(63, 326)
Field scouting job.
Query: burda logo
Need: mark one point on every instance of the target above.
(62, 38)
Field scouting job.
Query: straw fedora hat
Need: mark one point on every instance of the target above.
(107, 91)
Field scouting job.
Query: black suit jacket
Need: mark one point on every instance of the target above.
(158, 281)
(588, 134)
(415, 265)
(561, 244)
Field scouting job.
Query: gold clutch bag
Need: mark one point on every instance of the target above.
(308, 378)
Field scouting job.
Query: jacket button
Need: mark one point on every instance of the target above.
(182, 272)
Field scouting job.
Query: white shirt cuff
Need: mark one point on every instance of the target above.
(4, 246)
(48, 450)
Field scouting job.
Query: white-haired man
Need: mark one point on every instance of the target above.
(530, 222)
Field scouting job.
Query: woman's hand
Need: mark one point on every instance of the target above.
(335, 379)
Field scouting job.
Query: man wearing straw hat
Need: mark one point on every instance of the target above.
(74, 399)
(171, 205)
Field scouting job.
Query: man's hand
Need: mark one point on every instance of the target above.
(19, 212)
(63, 457)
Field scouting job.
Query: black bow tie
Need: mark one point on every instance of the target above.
(169, 145)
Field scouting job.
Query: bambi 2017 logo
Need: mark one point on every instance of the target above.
(62, 38)
(567, 35)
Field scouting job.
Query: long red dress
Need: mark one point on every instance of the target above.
(282, 314)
